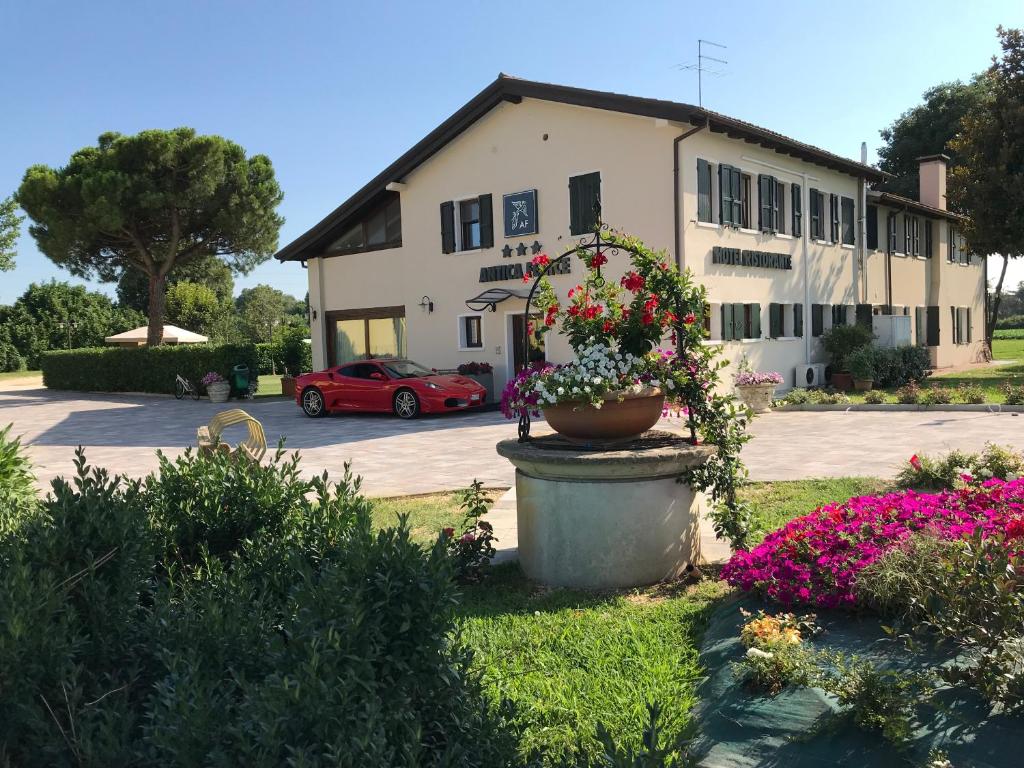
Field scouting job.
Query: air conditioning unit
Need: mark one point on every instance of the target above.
(810, 375)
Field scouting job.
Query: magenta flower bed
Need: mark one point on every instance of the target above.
(815, 559)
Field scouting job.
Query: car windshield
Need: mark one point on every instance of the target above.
(406, 369)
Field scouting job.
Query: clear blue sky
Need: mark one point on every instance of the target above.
(335, 91)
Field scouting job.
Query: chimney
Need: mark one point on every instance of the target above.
(931, 182)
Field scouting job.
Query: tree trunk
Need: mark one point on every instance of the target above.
(997, 297)
(157, 304)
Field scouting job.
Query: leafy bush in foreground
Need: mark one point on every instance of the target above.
(935, 473)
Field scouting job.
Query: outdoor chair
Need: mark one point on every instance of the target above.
(254, 446)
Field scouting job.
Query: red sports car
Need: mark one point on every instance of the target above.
(401, 387)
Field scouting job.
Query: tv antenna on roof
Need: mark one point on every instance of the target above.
(701, 69)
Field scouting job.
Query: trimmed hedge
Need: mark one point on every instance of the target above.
(141, 369)
(1010, 322)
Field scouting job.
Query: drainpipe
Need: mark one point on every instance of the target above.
(676, 197)
(805, 235)
(863, 250)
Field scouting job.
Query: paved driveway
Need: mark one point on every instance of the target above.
(122, 432)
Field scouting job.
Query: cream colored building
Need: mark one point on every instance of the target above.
(425, 261)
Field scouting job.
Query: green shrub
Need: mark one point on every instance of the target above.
(1013, 394)
(141, 369)
(841, 341)
(17, 485)
(1015, 322)
(284, 632)
(861, 363)
(289, 353)
(896, 367)
(1010, 333)
(935, 395)
(970, 393)
(815, 397)
(10, 360)
(942, 472)
(874, 396)
(909, 394)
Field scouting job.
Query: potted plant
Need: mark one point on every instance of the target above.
(756, 390)
(619, 383)
(839, 342)
(482, 374)
(217, 387)
(861, 363)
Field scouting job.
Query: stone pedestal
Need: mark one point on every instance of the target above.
(597, 519)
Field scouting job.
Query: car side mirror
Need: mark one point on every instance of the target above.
(330, 375)
(377, 376)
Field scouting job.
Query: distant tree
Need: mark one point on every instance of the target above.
(10, 225)
(62, 316)
(1012, 303)
(133, 285)
(988, 185)
(926, 129)
(154, 202)
(263, 308)
(194, 307)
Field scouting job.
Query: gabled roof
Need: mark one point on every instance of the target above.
(172, 335)
(898, 201)
(514, 90)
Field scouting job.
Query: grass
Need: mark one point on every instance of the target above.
(568, 659)
(269, 386)
(20, 375)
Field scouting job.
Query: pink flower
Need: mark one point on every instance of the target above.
(468, 537)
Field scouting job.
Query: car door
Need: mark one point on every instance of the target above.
(344, 388)
(363, 384)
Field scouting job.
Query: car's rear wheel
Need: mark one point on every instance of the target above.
(313, 403)
(406, 404)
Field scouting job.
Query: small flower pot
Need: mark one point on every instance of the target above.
(863, 385)
(615, 421)
(842, 381)
(219, 392)
(757, 397)
(485, 380)
(288, 386)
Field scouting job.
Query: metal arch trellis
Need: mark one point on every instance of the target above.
(595, 244)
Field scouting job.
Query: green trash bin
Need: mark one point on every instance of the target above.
(240, 380)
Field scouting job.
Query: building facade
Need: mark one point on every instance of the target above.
(427, 260)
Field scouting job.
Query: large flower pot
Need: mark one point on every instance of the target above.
(288, 386)
(616, 420)
(757, 397)
(219, 392)
(842, 381)
(863, 385)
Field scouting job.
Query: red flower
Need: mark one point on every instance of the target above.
(631, 281)
(597, 260)
(1015, 529)
(608, 327)
(549, 317)
(915, 462)
(526, 277)
(668, 319)
(448, 532)
(593, 311)
(651, 304)
(574, 311)
(690, 318)
(541, 260)
(647, 318)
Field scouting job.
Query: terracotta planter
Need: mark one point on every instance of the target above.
(757, 397)
(288, 386)
(219, 392)
(863, 385)
(615, 421)
(842, 381)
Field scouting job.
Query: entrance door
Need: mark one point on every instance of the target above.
(533, 354)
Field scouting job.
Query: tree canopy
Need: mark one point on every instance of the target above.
(195, 307)
(10, 224)
(154, 202)
(133, 285)
(263, 308)
(988, 184)
(926, 129)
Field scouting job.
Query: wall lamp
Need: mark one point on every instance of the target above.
(427, 304)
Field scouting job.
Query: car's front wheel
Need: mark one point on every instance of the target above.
(406, 405)
(313, 403)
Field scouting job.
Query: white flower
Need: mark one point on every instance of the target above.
(561, 390)
(586, 389)
(1013, 476)
(757, 653)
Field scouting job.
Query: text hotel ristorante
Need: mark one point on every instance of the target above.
(744, 258)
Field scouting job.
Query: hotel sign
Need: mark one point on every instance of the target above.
(520, 213)
(743, 258)
(518, 271)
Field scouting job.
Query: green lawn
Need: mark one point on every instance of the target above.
(269, 386)
(21, 375)
(570, 659)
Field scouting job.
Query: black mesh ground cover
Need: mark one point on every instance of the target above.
(800, 728)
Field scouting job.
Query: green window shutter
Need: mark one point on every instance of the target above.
(872, 227)
(890, 229)
(724, 195)
(928, 238)
(448, 227)
(738, 321)
(703, 190)
(952, 246)
(779, 210)
(775, 320)
(765, 192)
(967, 322)
(737, 197)
(486, 222)
(755, 320)
(797, 202)
(815, 213)
(834, 221)
(848, 216)
(863, 314)
(798, 320)
(584, 203)
(933, 326)
(817, 319)
(728, 328)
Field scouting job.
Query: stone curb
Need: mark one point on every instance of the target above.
(951, 407)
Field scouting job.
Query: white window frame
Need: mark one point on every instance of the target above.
(461, 334)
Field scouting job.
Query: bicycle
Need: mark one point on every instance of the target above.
(183, 386)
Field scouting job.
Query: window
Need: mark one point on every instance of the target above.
(838, 315)
(958, 247)
(794, 193)
(730, 196)
(741, 321)
(817, 319)
(470, 332)
(380, 228)
(961, 317)
(360, 371)
(584, 203)
(365, 333)
(848, 222)
(745, 221)
(776, 320)
(474, 227)
(704, 212)
(798, 320)
(890, 226)
(872, 227)
(817, 202)
(768, 218)
(833, 213)
(928, 238)
(780, 207)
